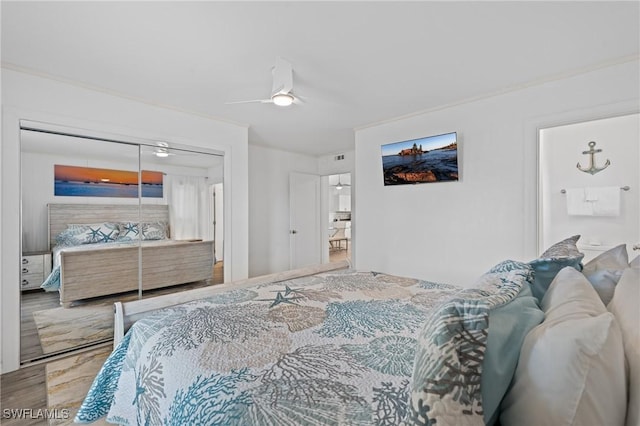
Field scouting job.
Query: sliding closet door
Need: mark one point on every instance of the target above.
(107, 219)
(74, 192)
(181, 219)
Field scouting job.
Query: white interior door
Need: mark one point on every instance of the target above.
(304, 220)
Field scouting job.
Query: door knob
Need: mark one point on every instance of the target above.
(636, 246)
(293, 231)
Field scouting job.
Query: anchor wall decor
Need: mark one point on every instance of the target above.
(592, 161)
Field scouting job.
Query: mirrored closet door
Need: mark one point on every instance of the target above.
(105, 221)
(189, 254)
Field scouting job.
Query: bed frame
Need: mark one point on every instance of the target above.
(126, 313)
(113, 270)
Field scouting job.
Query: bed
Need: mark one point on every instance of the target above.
(110, 265)
(342, 346)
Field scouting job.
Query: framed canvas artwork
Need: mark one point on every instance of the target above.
(94, 182)
(423, 160)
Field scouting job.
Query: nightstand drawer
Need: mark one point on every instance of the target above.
(32, 268)
(30, 282)
(33, 260)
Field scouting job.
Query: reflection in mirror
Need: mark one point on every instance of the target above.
(96, 231)
(188, 252)
(60, 177)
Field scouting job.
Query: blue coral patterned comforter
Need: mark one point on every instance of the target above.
(335, 348)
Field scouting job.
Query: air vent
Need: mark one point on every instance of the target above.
(338, 157)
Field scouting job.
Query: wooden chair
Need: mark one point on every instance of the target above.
(335, 241)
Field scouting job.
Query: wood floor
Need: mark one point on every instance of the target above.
(25, 390)
(337, 255)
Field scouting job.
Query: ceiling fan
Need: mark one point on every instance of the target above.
(282, 87)
(161, 150)
(340, 185)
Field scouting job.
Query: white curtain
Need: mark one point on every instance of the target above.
(188, 201)
(219, 220)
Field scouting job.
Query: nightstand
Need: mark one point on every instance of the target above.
(34, 268)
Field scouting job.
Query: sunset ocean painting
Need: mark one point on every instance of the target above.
(94, 182)
(429, 159)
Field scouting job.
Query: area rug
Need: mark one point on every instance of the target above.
(61, 329)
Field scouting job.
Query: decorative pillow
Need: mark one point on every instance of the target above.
(77, 234)
(448, 366)
(560, 255)
(563, 249)
(510, 265)
(571, 369)
(128, 231)
(605, 270)
(624, 306)
(149, 230)
(508, 326)
(615, 258)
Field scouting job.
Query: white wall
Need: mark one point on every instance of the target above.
(561, 148)
(455, 231)
(30, 97)
(328, 165)
(269, 171)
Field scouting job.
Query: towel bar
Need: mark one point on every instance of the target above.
(624, 188)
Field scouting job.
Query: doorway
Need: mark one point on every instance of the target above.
(337, 211)
(564, 209)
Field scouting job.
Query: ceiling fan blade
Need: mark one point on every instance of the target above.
(282, 77)
(261, 101)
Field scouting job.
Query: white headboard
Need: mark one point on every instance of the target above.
(60, 215)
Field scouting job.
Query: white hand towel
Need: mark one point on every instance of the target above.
(590, 194)
(577, 204)
(608, 201)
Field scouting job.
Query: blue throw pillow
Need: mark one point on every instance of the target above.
(546, 267)
(508, 326)
(451, 376)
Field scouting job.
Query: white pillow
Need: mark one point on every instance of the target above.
(625, 306)
(604, 271)
(615, 258)
(571, 369)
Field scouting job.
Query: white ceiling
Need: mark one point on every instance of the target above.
(355, 63)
